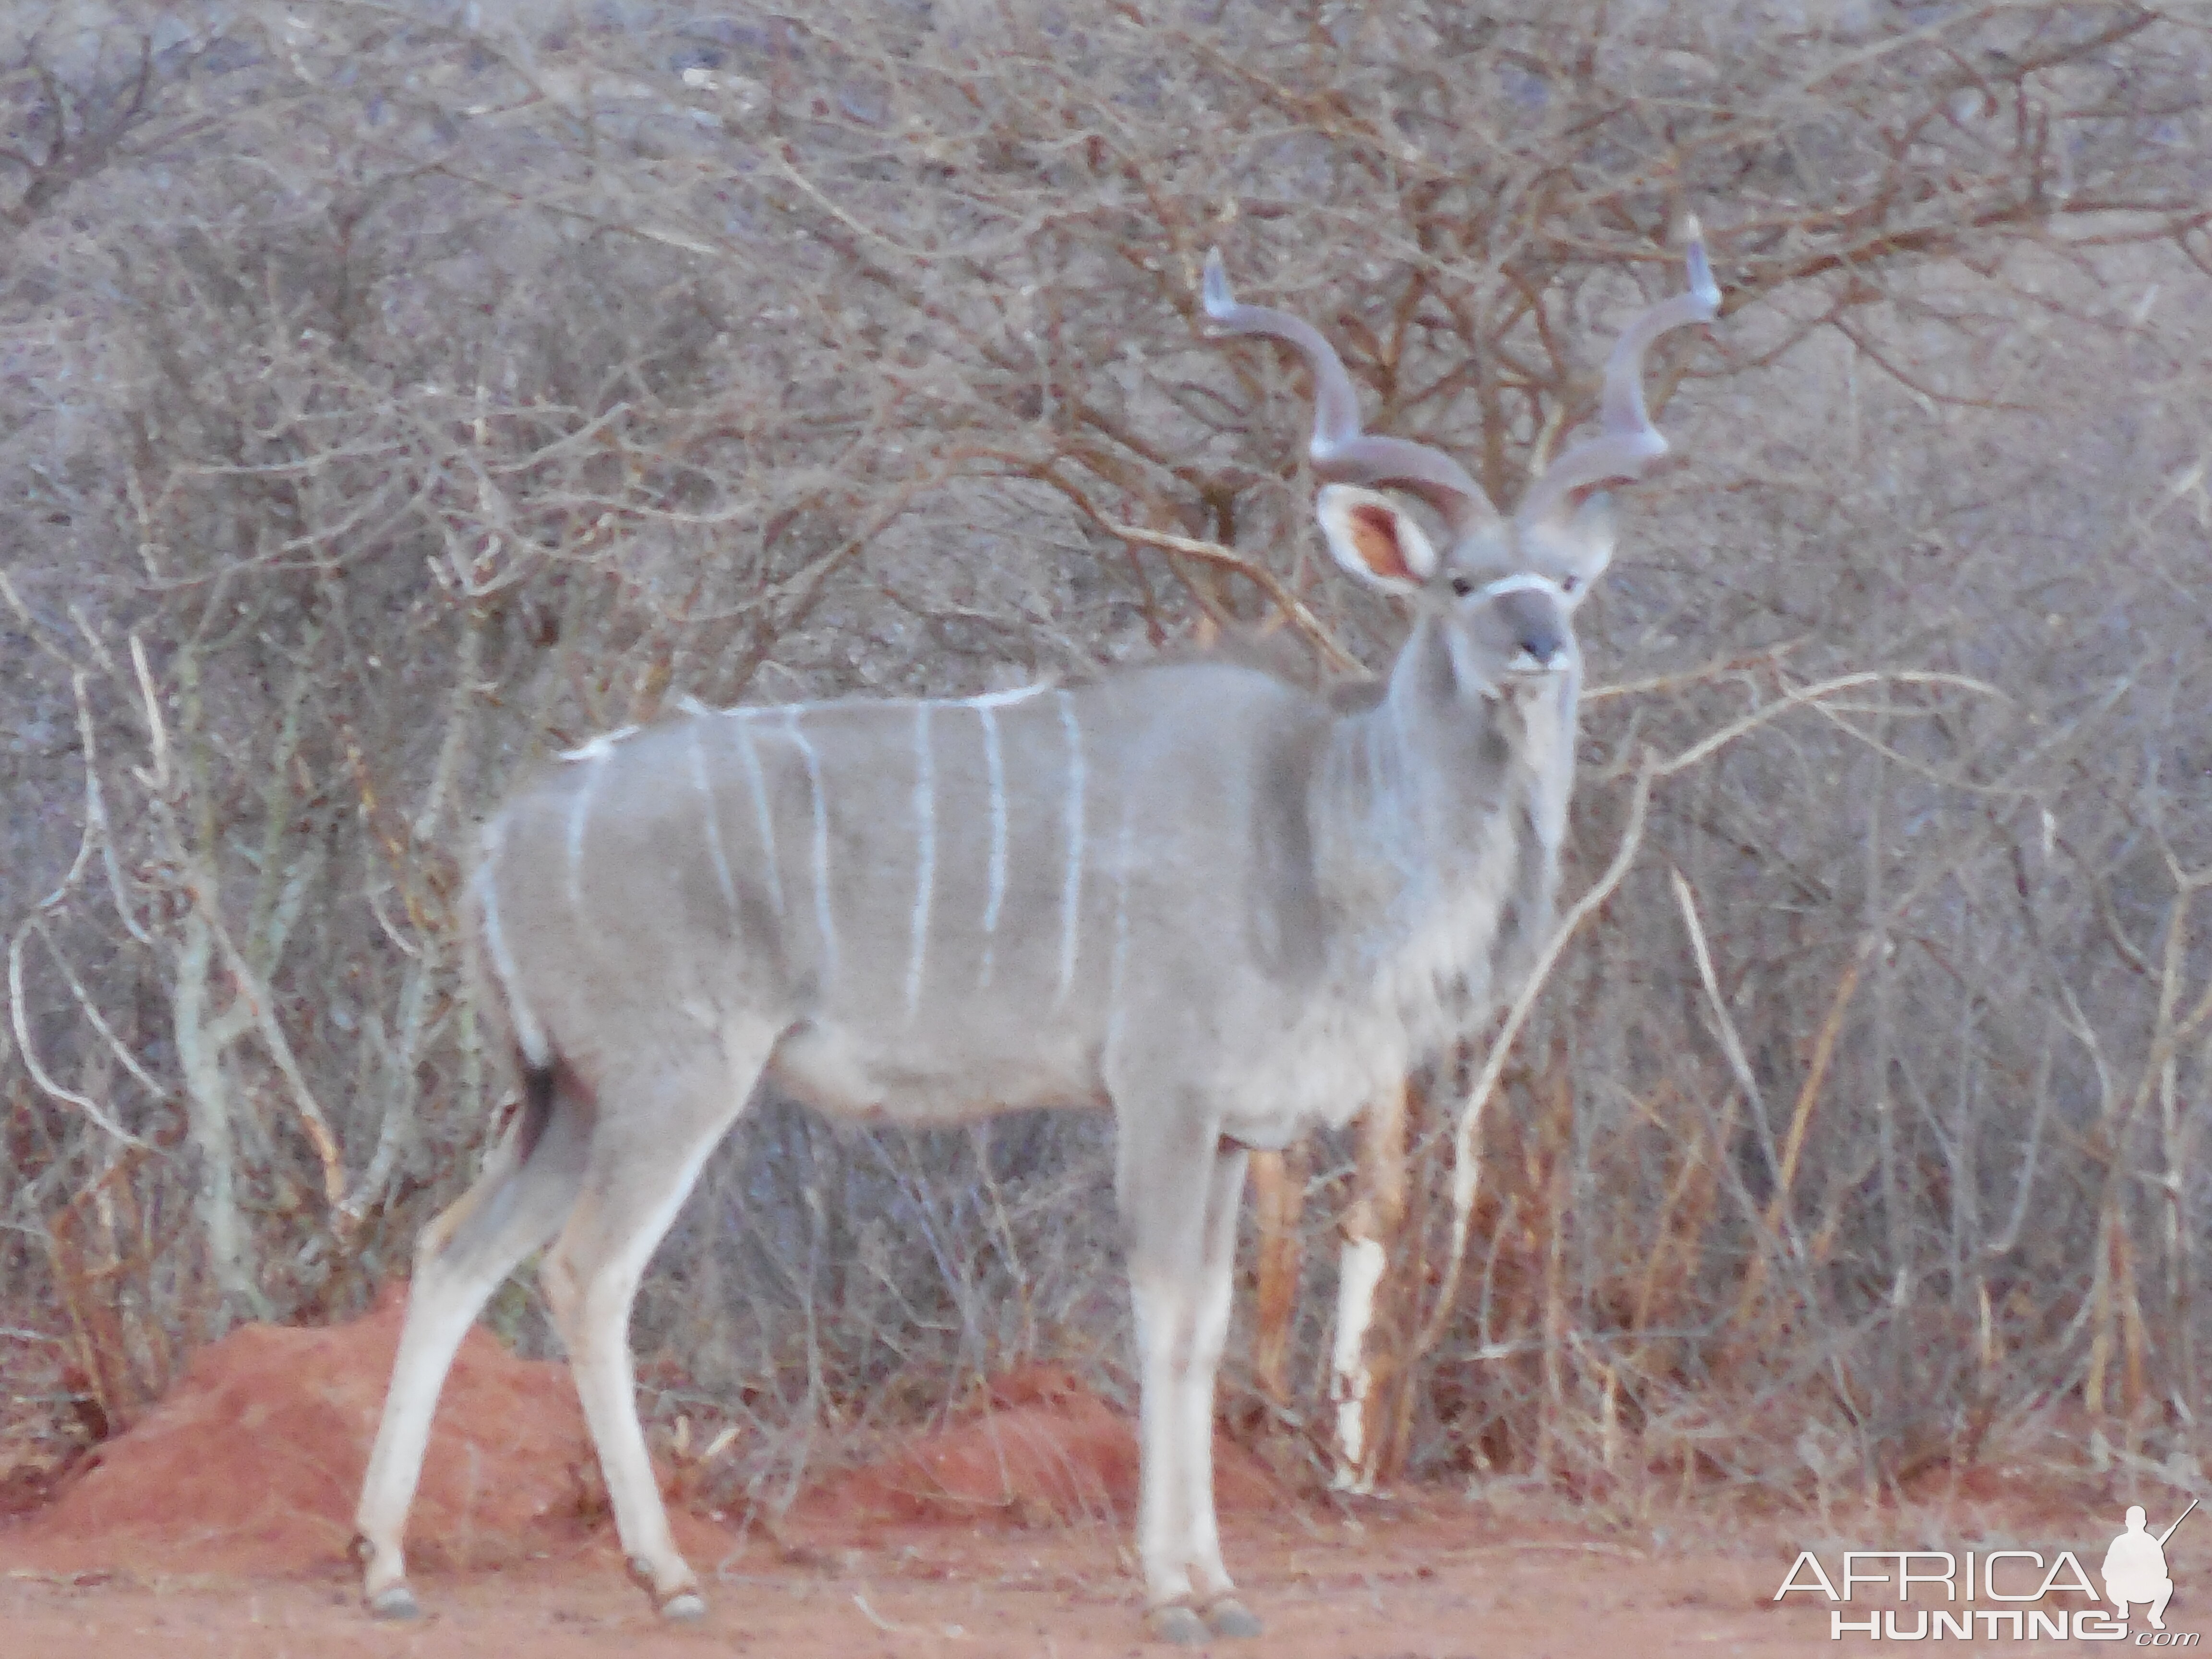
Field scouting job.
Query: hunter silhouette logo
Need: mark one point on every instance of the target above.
(2134, 1567)
(2006, 1595)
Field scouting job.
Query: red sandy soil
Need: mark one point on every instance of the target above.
(218, 1525)
(1048, 1450)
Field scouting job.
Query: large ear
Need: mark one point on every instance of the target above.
(1584, 545)
(1375, 540)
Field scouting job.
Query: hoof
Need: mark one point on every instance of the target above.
(1175, 1623)
(679, 1606)
(397, 1602)
(1231, 1620)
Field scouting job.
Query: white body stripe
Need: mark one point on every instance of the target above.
(995, 765)
(1115, 1009)
(822, 919)
(1070, 892)
(760, 813)
(580, 810)
(698, 747)
(924, 859)
(529, 1035)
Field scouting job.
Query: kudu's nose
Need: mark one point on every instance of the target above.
(1543, 644)
(1538, 627)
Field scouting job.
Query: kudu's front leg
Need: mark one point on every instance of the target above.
(1181, 1212)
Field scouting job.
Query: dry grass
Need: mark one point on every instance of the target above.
(381, 408)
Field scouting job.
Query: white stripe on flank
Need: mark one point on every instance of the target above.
(925, 872)
(580, 808)
(994, 764)
(760, 813)
(529, 1035)
(714, 820)
(1121, 959)
(822, 917)
(1070, 892)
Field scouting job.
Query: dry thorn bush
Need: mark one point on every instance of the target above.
(391, 395)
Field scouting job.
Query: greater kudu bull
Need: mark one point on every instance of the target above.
(1194, 894)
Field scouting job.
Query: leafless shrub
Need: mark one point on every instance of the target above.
(386, 401)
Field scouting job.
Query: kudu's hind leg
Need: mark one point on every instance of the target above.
(644, 1161)
(1179, 1202)
(460, 1258)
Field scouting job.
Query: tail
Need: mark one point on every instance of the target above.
(504, 1017)
(537, 1082)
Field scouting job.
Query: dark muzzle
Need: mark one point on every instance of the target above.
(1534, 619)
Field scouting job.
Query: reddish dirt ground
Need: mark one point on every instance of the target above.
(217, 1526)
